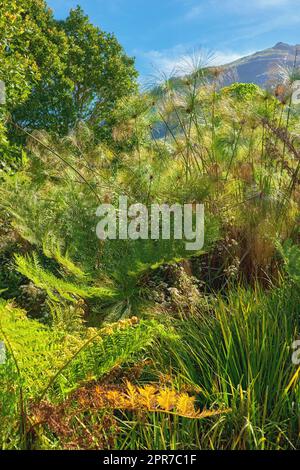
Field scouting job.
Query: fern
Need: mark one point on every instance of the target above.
(52, 362)
(52, 250)
(57, 288)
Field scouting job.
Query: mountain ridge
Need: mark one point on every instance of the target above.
(259, 67)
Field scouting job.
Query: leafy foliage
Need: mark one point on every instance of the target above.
(93, 73)
(141, 344)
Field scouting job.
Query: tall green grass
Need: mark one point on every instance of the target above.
(240, 357)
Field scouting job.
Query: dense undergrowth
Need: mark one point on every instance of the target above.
(140, 344)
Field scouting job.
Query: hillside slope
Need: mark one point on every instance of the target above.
(257, 68)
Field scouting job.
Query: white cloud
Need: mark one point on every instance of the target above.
(196, 10)
(223, 58)
(272, 25)
(273, 3)
(255, 4)
(178, 61)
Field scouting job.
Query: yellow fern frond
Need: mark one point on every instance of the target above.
(186, 405)
(167, 399)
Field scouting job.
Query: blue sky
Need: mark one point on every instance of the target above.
(161, 34)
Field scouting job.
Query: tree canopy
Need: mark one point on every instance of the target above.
(59, 72)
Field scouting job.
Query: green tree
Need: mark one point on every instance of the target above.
(89, 74)
(29, 45)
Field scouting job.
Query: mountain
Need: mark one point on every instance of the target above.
(257, 68)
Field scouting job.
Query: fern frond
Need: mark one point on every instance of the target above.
(57, 288)
(52, 250)
(51, 361)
